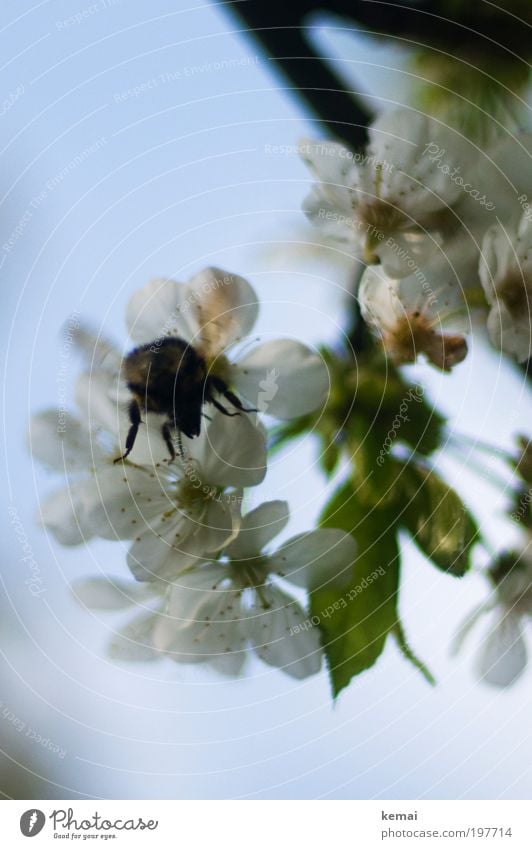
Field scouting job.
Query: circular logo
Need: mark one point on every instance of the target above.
(32, 822)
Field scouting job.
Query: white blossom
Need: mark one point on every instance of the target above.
(174, 513)
(218, 612)
(502, 656)
(215, 311)
(395, 201)
(423, 314)
(506, 275)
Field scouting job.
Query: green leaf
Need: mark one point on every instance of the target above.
(395, 411)
(356, 619)
(438, 520)
(374, 475)
(409, 654)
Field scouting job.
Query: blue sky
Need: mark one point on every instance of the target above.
(138, 142)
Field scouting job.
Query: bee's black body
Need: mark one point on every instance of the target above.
(170, 377)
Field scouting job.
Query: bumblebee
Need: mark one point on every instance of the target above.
(171, 378)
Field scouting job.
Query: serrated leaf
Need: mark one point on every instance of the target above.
(438, 520)
(409, 654)
(356, 619)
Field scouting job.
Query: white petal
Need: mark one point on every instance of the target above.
(203, 622)
(101, 593)
(102, 400)
(334, 216)
(124, 500)
(134, 642)
(495, 260)
(282, 635)
(197, 587)
(508, 334)
(258, 528)
(379, 302)
(160, 309)
(162, 548)
(59, 441)
(404, 251)
(315, 559)
(172, 544)
(401, 139)
(231, 451)
(224, 307)
(466, 626)
(64, 514)
(97, 351)
(329, 161)
(282, 378)
(503, 656)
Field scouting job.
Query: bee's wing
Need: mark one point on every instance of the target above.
(97, 351)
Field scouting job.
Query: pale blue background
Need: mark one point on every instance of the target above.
(182, 178)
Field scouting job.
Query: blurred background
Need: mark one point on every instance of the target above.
(140, 141)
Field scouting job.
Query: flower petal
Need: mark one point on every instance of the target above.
(230, 452)
(465, 628)
(64, 514)
(203, 622)
(503, 656)
(314, 559)
(172, 544)
(124, 500)
(163, 548)
(134, 642)
(224, 307)
(60, 442)
(161, 308)
(405, 252)
(99, 593)
(509, 334)
(258, 528)
(283, 636)
(282, 378)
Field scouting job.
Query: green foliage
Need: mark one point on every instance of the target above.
(410, 655)
(357, 619)
(385, 427)
(438, 521)
(371, 410)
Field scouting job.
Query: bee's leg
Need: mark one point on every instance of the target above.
(222, 409)
(135, 419)
(236, 402)
(167, 436)
(223, 389)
